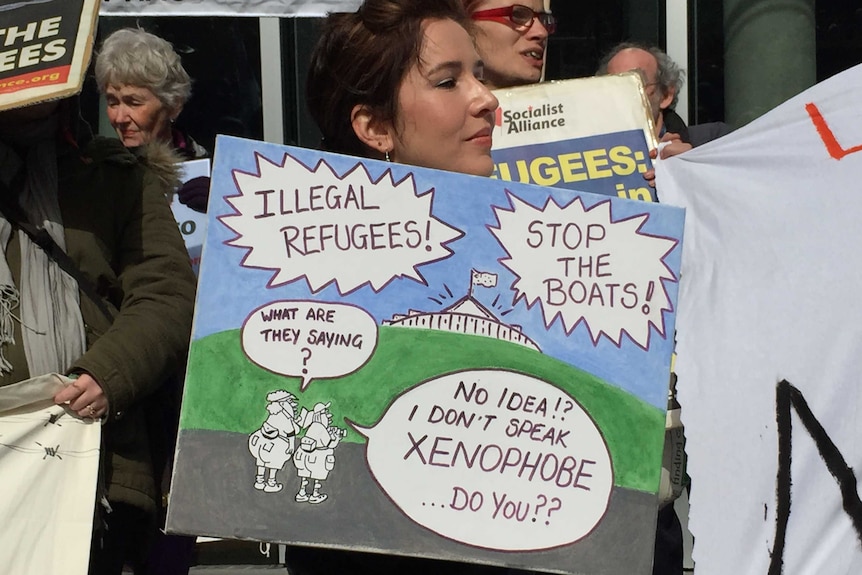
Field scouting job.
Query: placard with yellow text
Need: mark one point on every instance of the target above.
(588, 134)
(45, 48)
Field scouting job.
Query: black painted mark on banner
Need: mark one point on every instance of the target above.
(787, 398)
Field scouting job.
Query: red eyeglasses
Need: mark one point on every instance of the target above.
(520, 16)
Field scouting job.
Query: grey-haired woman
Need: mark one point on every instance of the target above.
(146, 87)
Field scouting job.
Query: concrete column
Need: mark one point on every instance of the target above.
(769, 55)
(676, 46)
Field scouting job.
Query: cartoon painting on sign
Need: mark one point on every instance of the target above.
(402, 360)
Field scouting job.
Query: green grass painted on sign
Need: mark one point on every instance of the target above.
(225, 391)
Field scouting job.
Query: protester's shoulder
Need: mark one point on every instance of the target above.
(157, 163)
(190, 148)
(100, 168)
(703, 133)
(674, 123)
(110, 151)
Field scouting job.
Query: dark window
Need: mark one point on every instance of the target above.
(839, 36)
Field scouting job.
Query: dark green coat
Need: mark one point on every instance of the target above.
(122, 235)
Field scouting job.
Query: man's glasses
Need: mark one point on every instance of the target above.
(520, 16)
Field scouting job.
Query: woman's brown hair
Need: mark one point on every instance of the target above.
(362, 57)
(470, 6)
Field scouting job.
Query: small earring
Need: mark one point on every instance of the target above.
(386, 156)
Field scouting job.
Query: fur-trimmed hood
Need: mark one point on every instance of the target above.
(163, 161)
(160, 158)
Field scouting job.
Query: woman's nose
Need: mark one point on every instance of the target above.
(537, 30)
(120, 113)
(486, 100)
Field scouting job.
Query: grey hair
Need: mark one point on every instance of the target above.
(135, 57)
(669, 75)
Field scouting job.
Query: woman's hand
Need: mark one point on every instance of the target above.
(84, 396)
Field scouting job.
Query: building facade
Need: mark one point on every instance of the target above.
(742, 58)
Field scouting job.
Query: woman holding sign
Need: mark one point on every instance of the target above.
(146, 88)
(400, 81)
(100, 290)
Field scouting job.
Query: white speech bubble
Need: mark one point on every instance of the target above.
(309, 339)
(493, 459)
(581, 265)
(312, 223)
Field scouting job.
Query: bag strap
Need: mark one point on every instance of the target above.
(14, 214)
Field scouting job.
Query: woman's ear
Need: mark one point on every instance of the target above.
(175, 112)
(377, 134)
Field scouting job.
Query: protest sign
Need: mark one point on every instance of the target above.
(248, 8)
(589, 134)
(769, 339)
(396, 359)
(49, 460)
(192, 224)
(45, 48)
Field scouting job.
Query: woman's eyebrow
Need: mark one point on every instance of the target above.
(452, 65)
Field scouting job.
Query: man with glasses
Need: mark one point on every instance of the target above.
(511, 39)
(663, 82)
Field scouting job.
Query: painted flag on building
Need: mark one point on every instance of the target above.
(485, 279)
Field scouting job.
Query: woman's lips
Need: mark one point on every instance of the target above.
(534, 57)
(482, 137)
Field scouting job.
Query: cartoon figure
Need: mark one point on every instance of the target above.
(315, 457)
(274, 443)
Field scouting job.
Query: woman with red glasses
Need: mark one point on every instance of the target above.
(511, 38)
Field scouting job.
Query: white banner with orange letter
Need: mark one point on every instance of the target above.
(769, 337)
